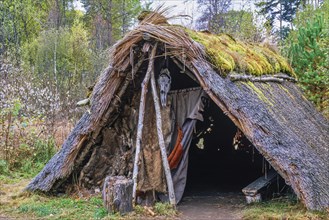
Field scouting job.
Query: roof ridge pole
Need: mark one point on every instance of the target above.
(164, 156)
(141, 118)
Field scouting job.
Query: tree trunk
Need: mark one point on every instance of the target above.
(117, 194)
(109, 24)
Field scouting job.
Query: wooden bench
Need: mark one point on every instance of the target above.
(256, 190)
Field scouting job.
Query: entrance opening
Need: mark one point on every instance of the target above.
(215, 165)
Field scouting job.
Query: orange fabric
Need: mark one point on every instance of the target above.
(177, 153)
(178, 141)
(177, 157)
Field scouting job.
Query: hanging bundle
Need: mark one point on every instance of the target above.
(237, 139)
(164, 82)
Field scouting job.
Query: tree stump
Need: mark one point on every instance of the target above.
(117, 194)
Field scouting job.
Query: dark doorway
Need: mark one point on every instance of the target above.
(218, 166)
(214, 164)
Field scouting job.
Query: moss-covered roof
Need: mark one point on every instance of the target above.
(227, 54)
(222, 51)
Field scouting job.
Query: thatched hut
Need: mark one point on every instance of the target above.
(252, 85)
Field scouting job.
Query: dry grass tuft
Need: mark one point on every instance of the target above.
(155, 25)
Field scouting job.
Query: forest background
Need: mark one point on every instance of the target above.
(51, 52)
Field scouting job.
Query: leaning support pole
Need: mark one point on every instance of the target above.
(161, 141)
(141, 118)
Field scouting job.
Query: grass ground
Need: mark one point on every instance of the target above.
(23, 205)
(282, 209)
(17, 204)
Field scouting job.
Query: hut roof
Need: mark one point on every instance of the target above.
(222, 51)
(251, 84)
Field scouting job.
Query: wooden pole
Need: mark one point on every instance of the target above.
(141, 118)
(266, 78)
(165, 163)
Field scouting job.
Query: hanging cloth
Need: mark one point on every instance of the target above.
(187, 107)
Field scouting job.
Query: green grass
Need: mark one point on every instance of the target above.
(159, 209)
(283, 208)
(15, 176)
(40, 206)
(15, 203)
(164, 209)
(24, 205)
(45, 207)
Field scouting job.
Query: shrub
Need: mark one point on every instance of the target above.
(25, 143)
(307, 48)
(4, 167)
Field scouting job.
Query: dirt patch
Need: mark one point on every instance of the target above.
(10, 191)
(226, 205)
(10, 194)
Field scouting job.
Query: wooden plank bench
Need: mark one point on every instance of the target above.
(256, 190)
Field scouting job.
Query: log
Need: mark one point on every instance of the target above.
(266, 78)
(237, 77)
(117, 194)
(161, 142)
(284, 76)
(141, 119)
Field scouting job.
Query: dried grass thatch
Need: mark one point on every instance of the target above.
(222, 51)
(175, 40)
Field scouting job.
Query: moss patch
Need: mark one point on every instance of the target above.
(258, 92)
(287, 91)
(228, 54)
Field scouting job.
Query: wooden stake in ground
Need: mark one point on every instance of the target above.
(141, 118)
(161, 141)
